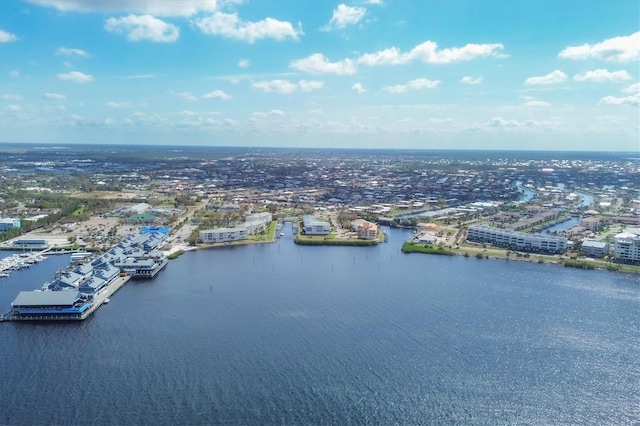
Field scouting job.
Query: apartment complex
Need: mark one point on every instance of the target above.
(365, 230)
(312, 226)
(595, 249)
(517, 240)
(627, 248)
(254, 223)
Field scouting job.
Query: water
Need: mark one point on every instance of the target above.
(282, 334)
(563, 226)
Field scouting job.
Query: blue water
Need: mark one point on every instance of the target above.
(282, 334)
(563, 226)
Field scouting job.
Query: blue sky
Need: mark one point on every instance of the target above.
(531, 75)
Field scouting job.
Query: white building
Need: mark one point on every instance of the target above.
(517, 240)
(313, 226)
(254, 223)
(8, 224)
(596, 249)
(221, 235)
(627, 248)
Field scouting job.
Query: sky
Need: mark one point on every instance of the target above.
(448, 74)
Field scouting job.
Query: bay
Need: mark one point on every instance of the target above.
(287, 334)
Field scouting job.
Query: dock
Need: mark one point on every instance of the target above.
(98, 301)
(16, 261)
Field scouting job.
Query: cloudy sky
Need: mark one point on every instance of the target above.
(533, 75)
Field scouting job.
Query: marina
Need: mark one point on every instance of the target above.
(78, 290)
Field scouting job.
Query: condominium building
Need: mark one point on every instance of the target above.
(627, 248)
(254, 223)
(221, 235)
(366, 230)
(517, 240)
(591, 223)
(312, 226)
(596, 249)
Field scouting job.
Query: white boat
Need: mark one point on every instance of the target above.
(107, 300)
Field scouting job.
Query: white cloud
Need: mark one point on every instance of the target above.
(10, 97)
(54, 97)
(318, 64)
(188, 96)
(501, 122)
(423, 83)
(373, 1)
(536, 104)
(428, 53)
(616, 49)
(277, 86)
(6, 37)
(308, 86)
(553, 77)
(229, 25)
(418, 84)
(67, 51)
(244, 63)
(627, 100)
(15, 108)
(14, 74)
(471, 80)
(76, 77)
(603, 76)
(343, 16)
(276, 112)
(286, 87)
(143, 27)
(217, 94)
(358, 88)
(153, 7)
(633, 89)
(118, 104)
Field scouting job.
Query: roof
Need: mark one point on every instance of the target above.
(46, 298)
(594, 244)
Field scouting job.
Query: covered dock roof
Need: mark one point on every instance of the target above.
(46, 298)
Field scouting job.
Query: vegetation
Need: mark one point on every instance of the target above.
(176, 254)
(408, 247)
(580, 264)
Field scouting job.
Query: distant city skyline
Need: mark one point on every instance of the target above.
(521, 75)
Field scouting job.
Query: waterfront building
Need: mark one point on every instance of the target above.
(596, 249)
(253, 224)
(220, 235)
(517, 240)
(627, 246)
(365, 230)
(8, 224)
(47, 304)
(312, 226)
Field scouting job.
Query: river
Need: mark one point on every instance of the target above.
(286, 334)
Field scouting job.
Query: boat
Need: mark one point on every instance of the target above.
(107, 300)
